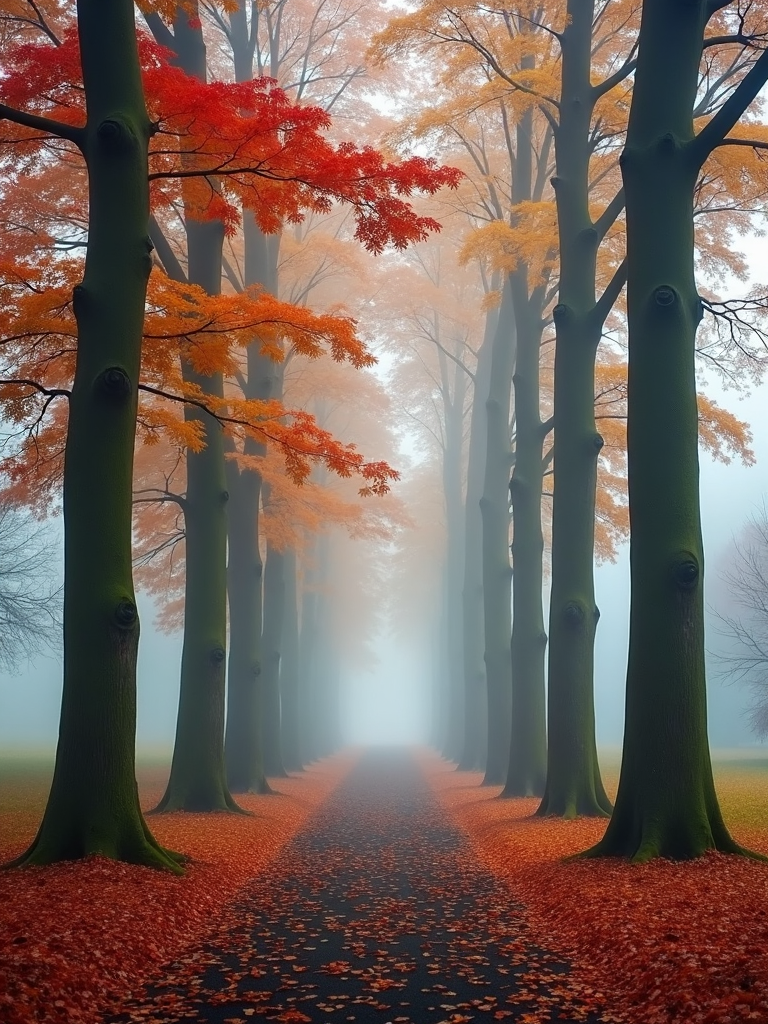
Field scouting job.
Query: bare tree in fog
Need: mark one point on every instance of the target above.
(746, 660)
(30, 595)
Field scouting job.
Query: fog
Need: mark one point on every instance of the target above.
(389, 701)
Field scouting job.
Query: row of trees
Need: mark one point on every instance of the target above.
(605, 144)
(581, 144)
(194, 168)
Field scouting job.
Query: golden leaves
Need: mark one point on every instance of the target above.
(530, 239)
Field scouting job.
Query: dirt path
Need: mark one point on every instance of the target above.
(376, 913)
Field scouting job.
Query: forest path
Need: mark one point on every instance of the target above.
(377, 912)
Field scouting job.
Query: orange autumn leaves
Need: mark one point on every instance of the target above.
(222, 150)
(660, 943)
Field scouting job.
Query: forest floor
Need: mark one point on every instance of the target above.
(406, 895)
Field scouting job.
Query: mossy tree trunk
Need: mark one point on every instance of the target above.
(497, 575)
(666, 803)
(93, 806)
(290, 726)
(475, 693)
(198, 776)
(574, 786)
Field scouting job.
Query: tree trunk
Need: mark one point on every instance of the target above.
(574, 785)
(243, 744)
(290, 734)
(666, 803)
(271, 646)
(93, 806)
(243, 741)
(198, 775)
(526, 773)
(453, 401)
(528, 752)
(497, 577)
(475, 692)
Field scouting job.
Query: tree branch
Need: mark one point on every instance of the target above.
(43, 124)
(606, 302)
(609, 215)
(714, 132)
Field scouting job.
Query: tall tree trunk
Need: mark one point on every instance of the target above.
(271, 645)
(454, 515)
(198, 775)
(243, 740)
(666, 803)
(526, 775)
(475, 692)
(497, 576)
(93, 806)
(290, 728)
(243, 743)
(573, 784)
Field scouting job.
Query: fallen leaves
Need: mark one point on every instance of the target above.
(660, 943)
(79, 937)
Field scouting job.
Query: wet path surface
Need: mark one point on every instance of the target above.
(376, 912)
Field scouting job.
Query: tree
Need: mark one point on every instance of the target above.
(670, 810)
(29, 602)
(573, 784)
(93, 806)
(511, 152)
(746, 660)
(182, 171)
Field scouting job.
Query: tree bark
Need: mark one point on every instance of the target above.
(497, 576)
(666, 803)
(93, 807)
(574, 785)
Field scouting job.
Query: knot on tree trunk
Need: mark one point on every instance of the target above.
(126, 614)
(686, 571)
(115, 136)
(79, 298)
(114, 382)
(665, 296)
(573, 613)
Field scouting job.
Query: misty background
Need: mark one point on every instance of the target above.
(389, 701)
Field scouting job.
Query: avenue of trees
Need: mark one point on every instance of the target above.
(209, 232)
